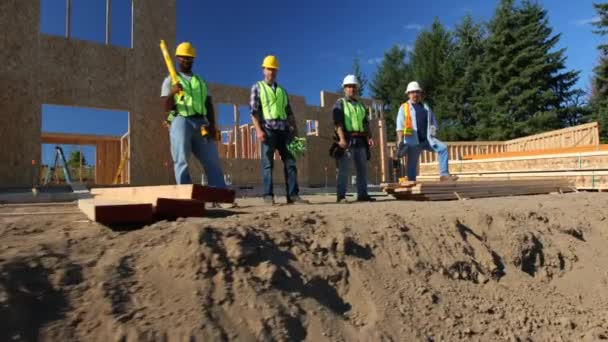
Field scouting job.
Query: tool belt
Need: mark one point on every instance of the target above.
(337, 152)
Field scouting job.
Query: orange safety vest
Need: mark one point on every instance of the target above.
(408, 128)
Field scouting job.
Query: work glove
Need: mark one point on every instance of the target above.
(433, 131)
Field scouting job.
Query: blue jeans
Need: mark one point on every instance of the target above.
(186, 139)
(359, 155)
(413, 153)
(278, 140)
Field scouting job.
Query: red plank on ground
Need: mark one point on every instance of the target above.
(171, 208)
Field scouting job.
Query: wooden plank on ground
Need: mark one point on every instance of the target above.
(171, 208)
(150, 194)
(480, 189)
(116, 212)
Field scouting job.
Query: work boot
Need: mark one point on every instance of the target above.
(296, 200)
(367, 198)
(269, 200)
(448, 178)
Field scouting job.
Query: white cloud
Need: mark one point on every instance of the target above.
(413, 26)
(407, 47)
(375, 60)
(588, 21)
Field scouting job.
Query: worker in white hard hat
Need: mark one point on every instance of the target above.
(275, 127)
(354, 139)
(416, 131)
(189, 108)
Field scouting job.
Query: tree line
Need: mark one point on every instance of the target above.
(495, 80)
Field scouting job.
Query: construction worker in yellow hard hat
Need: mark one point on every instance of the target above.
(189, 109)
(275, 126)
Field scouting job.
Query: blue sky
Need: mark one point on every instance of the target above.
(314, 40)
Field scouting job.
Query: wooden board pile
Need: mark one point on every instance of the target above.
(441, 191)
(132, 205)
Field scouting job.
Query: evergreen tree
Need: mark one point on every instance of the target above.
(360, 76)
(432, 67)
(74, 160)
(389, 84)
(600, 80)
(460, 74)
(524, 85)
(598, 110)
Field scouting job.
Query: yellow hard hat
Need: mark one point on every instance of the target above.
(185, 49)
(270, 62)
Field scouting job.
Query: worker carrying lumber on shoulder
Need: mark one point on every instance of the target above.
(353, 136)
(275, 127)
(417, 131)
(190, 112)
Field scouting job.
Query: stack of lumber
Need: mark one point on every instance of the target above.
(130, 205)
(441, 191)
(543, 152)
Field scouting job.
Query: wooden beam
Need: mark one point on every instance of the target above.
(75, 139)
(150, 194)
(116, 212)
(171, 208)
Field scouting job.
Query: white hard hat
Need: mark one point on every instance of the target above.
(413, 86)
(350, 79)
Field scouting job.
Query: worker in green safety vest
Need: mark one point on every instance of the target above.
(275, 127)
(191, 121)
(354, 140)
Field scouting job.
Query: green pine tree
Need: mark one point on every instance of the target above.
(360, 76)
(389, 84)
(74, 159)
(524, 85)
(460, 74)
(598, 109)
(431, 51)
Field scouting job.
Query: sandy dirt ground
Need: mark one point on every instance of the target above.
(517, 269)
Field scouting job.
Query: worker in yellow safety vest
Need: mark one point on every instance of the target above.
(190, 112)
(275, 127)
(416, 131)
(354, 138)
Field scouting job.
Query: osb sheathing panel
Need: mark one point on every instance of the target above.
(39, 68)
(82, 73)
(240, 171)
(153, 20)
(20, 110)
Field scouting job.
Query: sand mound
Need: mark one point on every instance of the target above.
(503, 269)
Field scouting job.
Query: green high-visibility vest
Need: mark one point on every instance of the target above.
(353, 116)
(273, 102)
(194, 97)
